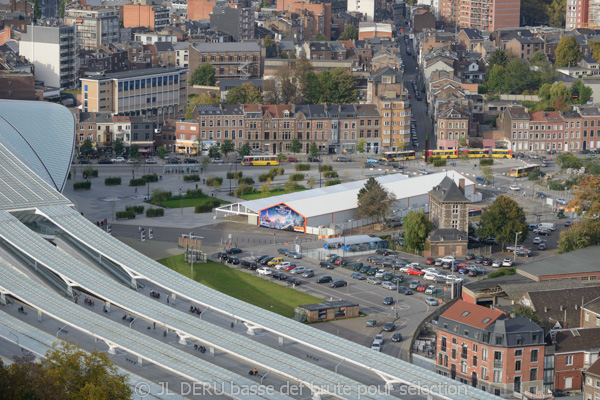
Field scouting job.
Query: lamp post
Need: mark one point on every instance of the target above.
(230, 165)
(320, 173)
(148, 179)
(515, 250)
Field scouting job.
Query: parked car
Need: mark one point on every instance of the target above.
(376, 346)
(338, 283)
(404, 290)
(150, 160)
(371, 322)
(431, 301)
(497, 263)
(105, 161)
(470, 256)
(415, 271)
(356, 275)
(313, 159)
(414, 284)
(507, 262)
(251, 265)
(309, 273)
(292, 159)
(388, 301)
(283, 265)
(542, 246)
(568, 224)
(430, 261)
(384, 252)
(190, 161)
(233, 250)
(515, 188)
(343, 159)
(388, 285)
(422, 287)
(487, 262)
(279, 275)
(298, 270)
(373, 281)
(118, 160)
(217, 161)
(430, 289)
(397, 337)
(326, 264)
(266, 260)
(389, 327)
(325, 279)
(264, 271)
(294, 280)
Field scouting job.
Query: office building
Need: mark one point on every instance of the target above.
(94, 26)
(481, 14)
(151, 16)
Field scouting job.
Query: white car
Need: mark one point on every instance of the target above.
(448, 259)
(507, 262)
(514, 187)
(432, 270)
(376, 346)
(496, 264)
(430, 290)
(150, 160)
(404, 269)
(131, 161)
(217, 161)
(453, 279)
(378, 338)
(118, 160)
(388, 285)
(283, 265)
(430, 276)
(537, 240)
(264, 271)
(298, 270)
(373, 281)
(379, 273)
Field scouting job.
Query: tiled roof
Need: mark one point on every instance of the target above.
(571, 340)
(594, 305)
(562, 305)
(447, 234)
(472, 315)
(594, 369)
(226, 47)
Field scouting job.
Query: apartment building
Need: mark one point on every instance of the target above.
(215, 124)
(480, 346)
(53, 52)
(235, 19)
(591, 388)
(452, 124)
(365, 7)
(481, 14)
(152, 17)
(590, 314)
(156, 93)
(577, 14)
(230, 60)
(94, 26)
(199, 9)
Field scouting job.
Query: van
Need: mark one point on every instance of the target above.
(548, 225)
(276, 260)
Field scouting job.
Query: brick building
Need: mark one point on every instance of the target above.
(476, 14)
(151, 16)
(591, 388)
(480, 346)
(452, 124)
(230, 60)
(17, 85)
(199, 9)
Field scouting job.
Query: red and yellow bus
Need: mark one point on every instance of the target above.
(520, 172)
(442, 153)
(471, 153)
(260, 160)
(399, 155)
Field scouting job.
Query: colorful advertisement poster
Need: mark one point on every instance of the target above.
(282, 217)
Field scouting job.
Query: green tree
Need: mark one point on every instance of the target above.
(270, 94)
(595, 49)
(462, 142)
(350, 33)
(487, 173)
(296, 146)
(204, 75)
(374, 200)
(321, 38)
(313, 150)
(502, 219)
(302, 70)
(37, 11)
(265, 190)
(268, 41)
(568, 160)
(214, 152)
(196, 100)
(244, 150)
(61, 8)
(245, 94)
(581, 234)
(557, 13)
(336, 86)
(567, 53)
(86, 149)
(227, 147)
(361, 146)
(118, 146)
(287, 85)
(584, 93)
(556, 95)
(538, 58)
(417, 227)
(498, 57)
(134, 151)
(527, 312)
(534, 12)
(162, 152)
(205, 162)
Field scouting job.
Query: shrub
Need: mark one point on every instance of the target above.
(125, 215)
(150, 177)
(556, 186)
(246, 181)
(265, 177)
(193, 178)
(486, 161)
(438, 162)
(535, 175)
(95, 173)
(234, 174)
(568, 160)
(325, 168)
(333, 182)
(85, 185)
(135, 209)
(193, 193)
(204, 207)
(276, 171)
(302, 167)
(243, 189)
(214, 181)
(159, 195)
(216, 203)
(331, 174)
(89, 171)
(502, 272)
(137, 182)
(112, 181)
(290, 186)
(296, 177)
(155, 212)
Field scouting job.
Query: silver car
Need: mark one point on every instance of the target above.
(373, 281)
(298, 270)
(309, 273)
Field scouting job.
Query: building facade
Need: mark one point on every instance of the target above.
(591, 388)
(94, 26)
(152, 17)
(452, 125)
(234, 19)
(230, 60)
(481, 14)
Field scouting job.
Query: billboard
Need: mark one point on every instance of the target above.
(282, 217)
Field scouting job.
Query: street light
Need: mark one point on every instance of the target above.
(515, 250)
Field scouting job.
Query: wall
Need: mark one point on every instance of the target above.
(44, 55)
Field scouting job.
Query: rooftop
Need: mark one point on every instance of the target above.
(578, 261)
(328, 305)
(471, 314)
(136, 73)
(578, 339)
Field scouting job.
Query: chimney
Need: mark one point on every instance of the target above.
(461, 185)
(545, 309)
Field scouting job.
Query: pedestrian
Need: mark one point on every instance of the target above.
(160, 177)
(76, 298)
(140, 228)
(255, 371)
(196, 186)
(136, 189)
(167, 299)
(154, 324)
(105, 221)
(97, 223)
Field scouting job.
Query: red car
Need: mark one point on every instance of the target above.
(429, 261)
(462, 264)
(292, 159)
(414, 271)
(290, 267)
(422, 287)
(341, 261)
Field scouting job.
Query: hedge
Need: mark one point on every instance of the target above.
(333, 182)
(502, 272)
(193, 193)
(155, 212)
(486, 161)
(246, 181)
(135, 209)
(112, 181)
(277, 171)
(125, 215)
(438, 162)
(193, 178)
(556, 186)
(150, 178)
(302, 167)
(243, 189)
(234, 174)
(265, 177)
(296, 177)
(85, 185)
(213, 179)
(137, 182)
(331, 174)
(325, 168)
(159, 195)
(202, 208)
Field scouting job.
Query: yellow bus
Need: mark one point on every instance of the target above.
(502, 153)
(523, 171)
(443, 153)
(260, 160)
(476, 153)
(399, 155)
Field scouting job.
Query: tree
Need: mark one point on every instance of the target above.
(498, 58)
(200, 99)
(350, 33)
(86, 149)
(162, 152)
(287, 85)
(301, 74)
(527, 312)
(361, 146)
(204, 75)
(503, 219)
(296, 146)
(61, 8)
(374, 200)
(270, 94)
(584, 93)
(313, 150)
(321, 38)
(557, 94)
(417, 227)
(568, 160)
(265, 190)
(244, 150)
(538, 58)
(336, 86)
(37, 11)
(268, 41)
(227, 147)
(245, 94)
(567, 53)
(134, 151)
(205, 162)
(462, 142)
(581, 234)
(118, 146)
(67, 373)
(595, 49)
(487, 174)
(557, 13)
(214, 152)
(587, 196)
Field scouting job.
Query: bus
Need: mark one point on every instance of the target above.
(523, 171)
(443, 153)
(260, 160)
(399, 155)
(502, 153)
(476, 153)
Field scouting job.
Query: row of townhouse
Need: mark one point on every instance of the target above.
(571, 130)
(271, 128)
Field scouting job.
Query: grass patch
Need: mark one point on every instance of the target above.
(176, 203)
(273, 192)
(260, 292)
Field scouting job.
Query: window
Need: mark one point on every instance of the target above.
(443, 345)
(497, 356)
(463, 367)
(497, 376)
(474, 361)
(517, 365)
(534, 355)
(484, 373)
(484, 354)
(569, 360)
(499, 339)
(454, 354)
(568, 383)
(533, 374)
(519, 353)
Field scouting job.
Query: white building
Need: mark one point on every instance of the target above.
(366, 7)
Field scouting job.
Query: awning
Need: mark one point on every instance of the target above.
(350, 240)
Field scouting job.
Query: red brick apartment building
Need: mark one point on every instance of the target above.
(591, 389)
(481, 14)
(482, 347)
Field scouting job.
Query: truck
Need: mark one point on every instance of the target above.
(548, 225)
